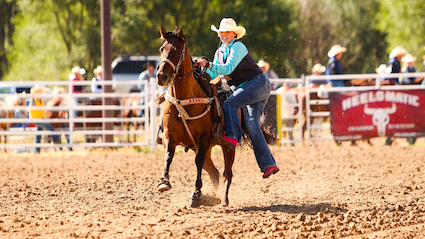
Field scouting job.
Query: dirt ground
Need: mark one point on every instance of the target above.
(321, 191)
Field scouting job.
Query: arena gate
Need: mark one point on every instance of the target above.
(22, 131)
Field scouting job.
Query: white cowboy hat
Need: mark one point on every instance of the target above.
(318, 68)
(37, 89)
(335, 50)
(264, 64)
(97, 70)
(58, 90)
(381, 69)
(229, 25)
(397, 51)
(78, 70)
(323, 92)
(408, 58)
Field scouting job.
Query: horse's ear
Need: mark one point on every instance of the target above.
(162, 32)
(181, 35)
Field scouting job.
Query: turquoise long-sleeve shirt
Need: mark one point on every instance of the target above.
(233, 55)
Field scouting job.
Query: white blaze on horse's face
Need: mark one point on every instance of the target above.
(380, 117)
(171, 54)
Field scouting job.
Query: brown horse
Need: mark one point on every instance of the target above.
(97, 114)
(191, 124)
(130, 113)
(7, 112)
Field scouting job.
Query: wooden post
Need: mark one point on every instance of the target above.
(105, 10)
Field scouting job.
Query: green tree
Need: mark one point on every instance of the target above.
(404, 22)
(52, 36)
(7, 13)
(323, 23)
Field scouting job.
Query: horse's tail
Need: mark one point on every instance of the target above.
(269, 135)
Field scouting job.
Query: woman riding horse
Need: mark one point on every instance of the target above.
(187, 116)
(251, 94)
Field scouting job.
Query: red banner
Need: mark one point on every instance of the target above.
(376, 113)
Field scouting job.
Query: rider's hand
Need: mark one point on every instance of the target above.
(202, 62)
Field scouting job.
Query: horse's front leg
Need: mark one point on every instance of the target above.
(5, 143)
(164, 183)
(196, 196)
(229, 159)
(127, 128)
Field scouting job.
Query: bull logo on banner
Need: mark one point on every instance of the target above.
(381, 117)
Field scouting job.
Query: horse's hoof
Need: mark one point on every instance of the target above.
(163, 187)
(225, 202)
(196, 199)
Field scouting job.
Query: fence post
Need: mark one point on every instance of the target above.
(71, 113)
(152, 111)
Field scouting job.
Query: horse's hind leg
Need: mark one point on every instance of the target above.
(164, 183)
(136, 128)
(229, 158)
(212, 170)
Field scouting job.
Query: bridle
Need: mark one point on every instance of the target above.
(176, 67)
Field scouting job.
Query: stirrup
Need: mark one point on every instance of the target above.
(218, 133)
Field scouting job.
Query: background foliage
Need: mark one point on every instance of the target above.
(43, 40)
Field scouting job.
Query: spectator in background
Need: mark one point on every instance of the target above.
(57, 101)
(37, 101)
(77, 75)
(409, 59)
(317, 70)
(265, 66)
(394, 65)
(146, 75)
(334, 66)
(98, 76)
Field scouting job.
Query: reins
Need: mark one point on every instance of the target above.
(181, 103)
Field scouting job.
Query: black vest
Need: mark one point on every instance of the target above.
(243, 72)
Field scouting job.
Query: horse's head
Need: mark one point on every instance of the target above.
(172, 54)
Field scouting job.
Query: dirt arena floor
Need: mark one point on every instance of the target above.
(322, 191)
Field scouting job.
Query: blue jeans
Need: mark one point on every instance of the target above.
(251, 98)
(49, 127)
(337, 83)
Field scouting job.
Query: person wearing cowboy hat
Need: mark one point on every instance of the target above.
(95, 87)
(76, 74)
(409, 59)
(334, 66)
(317, 70)
(265, 67)
(34, 113)
(252, 89)
(394, 64)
